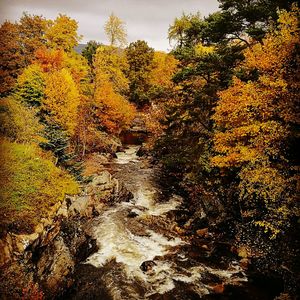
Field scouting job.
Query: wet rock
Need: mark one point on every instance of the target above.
(122, 194)
(132, 214)
(147, 265)
(142, 152)
(205, 247)
(88, 247)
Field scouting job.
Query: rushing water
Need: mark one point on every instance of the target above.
(140, 252)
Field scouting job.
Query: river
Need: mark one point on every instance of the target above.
(141, 252)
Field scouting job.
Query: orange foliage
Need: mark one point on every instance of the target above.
(49, 59)
(164, 67)
(114, 111)
(11, 61)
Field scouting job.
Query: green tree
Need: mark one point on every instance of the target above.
(30, 86)
(139, 57)
(90, 50)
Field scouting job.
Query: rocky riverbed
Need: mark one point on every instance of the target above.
(142, 253)
(124, 237)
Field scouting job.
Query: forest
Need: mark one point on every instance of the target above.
(221, 112)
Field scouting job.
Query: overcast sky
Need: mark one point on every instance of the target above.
(145, 19)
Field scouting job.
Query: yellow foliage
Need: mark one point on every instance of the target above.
(62, 33)
(110, 64)
(201, 50)
(78, 68)
(61, 99)
(164, 66)
(277, 46)
(253, 122)
(114, 111)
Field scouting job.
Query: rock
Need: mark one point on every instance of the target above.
(21, 241)
(6, 249)
(79, 205)
(202, 232)
(205, 247)
(54, 265)
(132, 214)
(142, 151)
(147, 265)
(103, 178)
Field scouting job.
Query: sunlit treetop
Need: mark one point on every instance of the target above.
(62, 33)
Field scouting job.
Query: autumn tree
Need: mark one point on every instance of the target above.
(19, 123)
(32, 30)
(110, 64)
(113, 110)
(61, 100)
(12, 61)
(164, 67)
(115, 31)
(62, 33)
(139, 58)
(255, 122)
(178, 30)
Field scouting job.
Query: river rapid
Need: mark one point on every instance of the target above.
(141, 252)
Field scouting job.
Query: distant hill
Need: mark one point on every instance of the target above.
(79, 48)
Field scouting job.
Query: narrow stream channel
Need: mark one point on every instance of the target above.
(141, 254)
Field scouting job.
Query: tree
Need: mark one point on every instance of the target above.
(90, 50)
(12, 61)
(62, 33)
(113, 111)
(255, 122)
(61, 100)
(30, 86)
(32, 30)
(164, 67)
(110, 63)
(177, 30)
(49, 59)
(19, 123)
(139, 57)
(115, 31)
